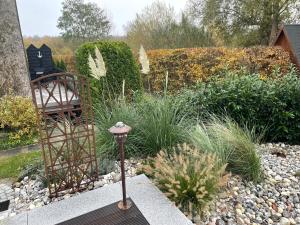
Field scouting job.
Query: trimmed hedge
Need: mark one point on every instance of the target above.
(120, 64)
(189, 66)
(270, 105)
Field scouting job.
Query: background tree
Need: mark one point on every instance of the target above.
(157, 27)
(152, 27)
(187, 35)
(244, 23)
(83, 21)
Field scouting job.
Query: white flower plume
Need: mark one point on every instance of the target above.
(143, 58)
(97, 65)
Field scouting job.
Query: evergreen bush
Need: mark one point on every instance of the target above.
(270, 105)
(120, 65)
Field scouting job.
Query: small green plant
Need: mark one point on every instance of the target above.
(106, 166)
(60, 64)
(233, 145)
(34, 168)
(188, 177)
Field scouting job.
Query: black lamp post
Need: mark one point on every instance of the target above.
(120, 131)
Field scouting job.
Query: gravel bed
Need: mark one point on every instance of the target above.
(276, 200)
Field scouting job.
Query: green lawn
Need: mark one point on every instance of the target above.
(10, 167)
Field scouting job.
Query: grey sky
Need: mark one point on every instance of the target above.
(39, 17)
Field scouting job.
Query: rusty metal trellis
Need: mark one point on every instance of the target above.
(66, 126)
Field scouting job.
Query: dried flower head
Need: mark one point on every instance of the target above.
(97, 65)
(143, 58)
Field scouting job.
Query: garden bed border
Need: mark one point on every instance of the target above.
(20, 149)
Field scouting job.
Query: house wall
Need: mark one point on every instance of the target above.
(284, 43)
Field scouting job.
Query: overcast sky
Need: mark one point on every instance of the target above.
(39, 17)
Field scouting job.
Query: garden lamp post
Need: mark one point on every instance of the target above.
(120, 131)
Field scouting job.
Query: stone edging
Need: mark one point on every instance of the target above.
(20, 149)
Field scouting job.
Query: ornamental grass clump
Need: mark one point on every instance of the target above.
(106, 117)
(188, 177)
(239, 148)
(232, 144)
(162, 125)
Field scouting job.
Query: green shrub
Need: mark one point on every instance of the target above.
(69, 62)
(17, 118)
(271, 105)
(189, 66)
(188, 177)
(60, 64)
(120, 65)
(232, 144)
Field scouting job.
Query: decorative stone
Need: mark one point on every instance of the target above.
(17, 184)
(284, 221)
(280, 210)
(292, 221)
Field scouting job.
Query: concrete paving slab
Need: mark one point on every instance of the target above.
(154, 205)
(15, 220)
(75, 206)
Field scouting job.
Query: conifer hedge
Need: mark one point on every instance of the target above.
(120, 65)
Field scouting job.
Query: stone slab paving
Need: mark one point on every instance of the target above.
(6, 191)
(154, 205)
(156, 208)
